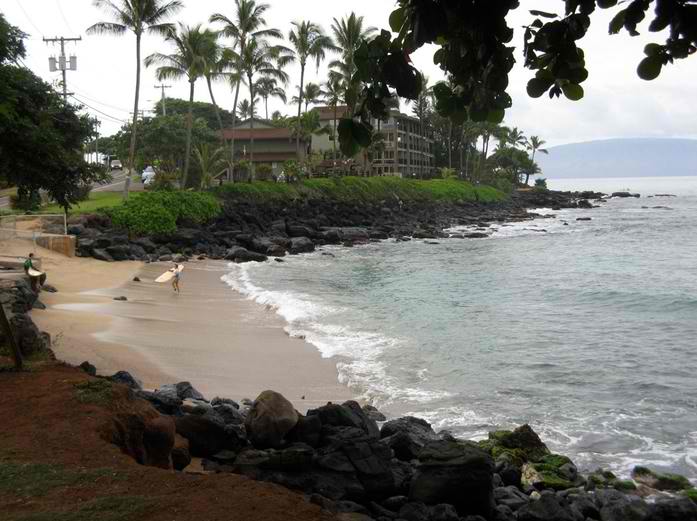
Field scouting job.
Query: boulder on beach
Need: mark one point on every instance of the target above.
(407, 436)
(456, 473)
(301, 245)
(271, 417)
(660, 481)
(207, 435)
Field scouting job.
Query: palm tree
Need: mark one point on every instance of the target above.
(217, 67)
(245, 110)
(210, 162)
(192, 46)
(311, 95)
(139, 17)
(421, 110)
(349, 33)
(535, 144)
(516, 137)
(261, 59)
(309, 42)
(333, 92)
(248, 23)
(267, 87)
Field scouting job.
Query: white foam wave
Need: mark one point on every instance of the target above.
(360, 365)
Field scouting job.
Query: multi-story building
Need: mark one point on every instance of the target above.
(272, 145)
(408, 150)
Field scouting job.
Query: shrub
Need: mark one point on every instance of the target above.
(83, 192)
(159, 212)
(264, 172)
(25, 201)
(541, 183)
(448, 173)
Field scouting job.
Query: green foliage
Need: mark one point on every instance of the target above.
(448, 173)
(541, 183)
(41, 137)
(163, 139)
(264, 172)
(362, 190)
(478, 77)
(25, 201)
(692, 494)
(159, 212)
(201, 110)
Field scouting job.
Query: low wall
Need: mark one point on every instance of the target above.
(64, 244)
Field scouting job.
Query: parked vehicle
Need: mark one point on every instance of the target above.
(148, 175)
(116, 165)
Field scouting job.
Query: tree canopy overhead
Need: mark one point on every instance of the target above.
(41, 137)
(477, 53)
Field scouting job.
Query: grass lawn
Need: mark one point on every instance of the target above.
(97, 200)
(8, 191)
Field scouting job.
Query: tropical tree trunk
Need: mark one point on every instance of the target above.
(251, 133)
(450, 145)
(467, 161)
(334, 142)
(232, 139)
(217, 110)
(300, 108)
(266, 107)
(462, 170)
(134, 127)
(189, 126)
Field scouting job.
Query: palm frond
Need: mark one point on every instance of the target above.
(107, 28)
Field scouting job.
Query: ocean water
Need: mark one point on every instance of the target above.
(586, 330)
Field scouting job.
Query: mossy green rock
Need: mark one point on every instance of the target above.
(623, 485)
(543, 479)
(692, 494)
(660, 481)
(524, 439)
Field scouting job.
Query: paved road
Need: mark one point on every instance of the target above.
(117, 184)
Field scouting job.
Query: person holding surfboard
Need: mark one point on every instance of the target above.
(36, 277)
(177, 269)
(174, 274)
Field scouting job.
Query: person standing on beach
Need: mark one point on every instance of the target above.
(177, 277)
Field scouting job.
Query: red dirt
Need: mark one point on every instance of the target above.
(41, 421)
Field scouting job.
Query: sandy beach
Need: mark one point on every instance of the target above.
(208, 334)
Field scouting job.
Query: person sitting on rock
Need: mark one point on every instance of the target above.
(36, 280)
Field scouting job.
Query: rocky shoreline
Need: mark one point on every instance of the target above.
(250, 231)
(351, 461)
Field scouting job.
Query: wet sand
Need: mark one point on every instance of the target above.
(208, 334)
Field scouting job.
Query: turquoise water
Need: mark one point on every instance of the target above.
(587, 331)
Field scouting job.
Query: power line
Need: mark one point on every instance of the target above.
(60, 9)
(29, 18)
(82, 94)
(109, 116)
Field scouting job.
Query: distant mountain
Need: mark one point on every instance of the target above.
(621, 158)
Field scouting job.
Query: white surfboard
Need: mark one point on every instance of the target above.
(169, 274)
(34, 273)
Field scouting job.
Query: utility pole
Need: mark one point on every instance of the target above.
(164, 98)
(64, 65)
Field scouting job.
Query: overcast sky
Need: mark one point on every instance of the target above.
(617, 103)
